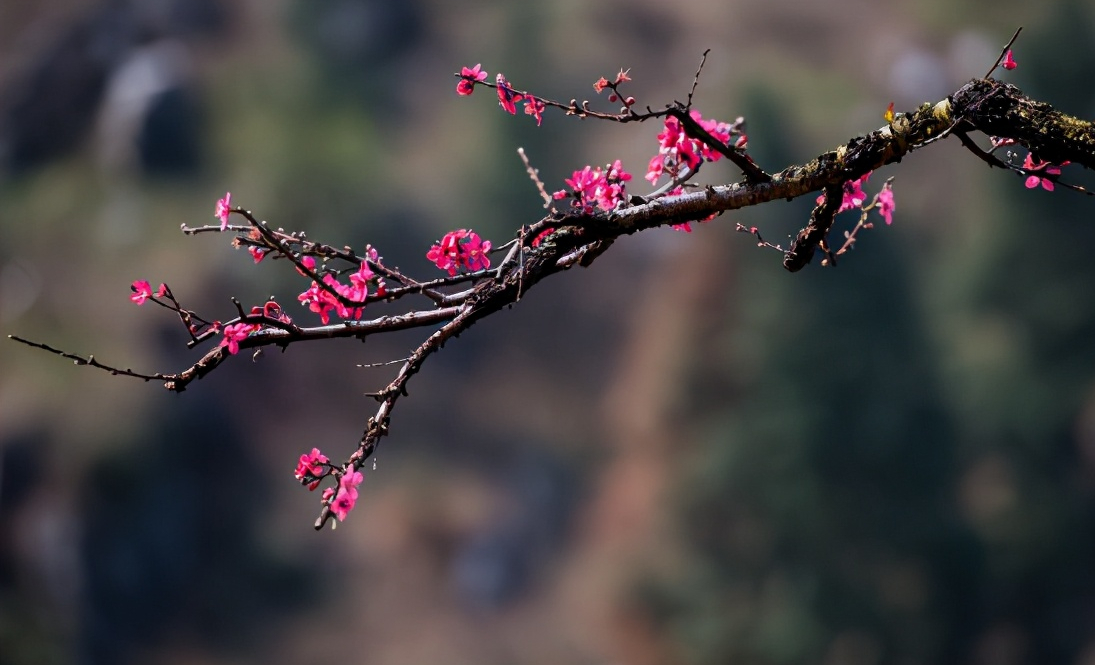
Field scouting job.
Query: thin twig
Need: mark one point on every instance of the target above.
(696, 78)
(90, 361)
(534, 175)
(1004, 52)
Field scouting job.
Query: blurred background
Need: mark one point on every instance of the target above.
(683, 454)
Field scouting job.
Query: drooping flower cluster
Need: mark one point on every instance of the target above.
(605, 188)
(311, 468)
(854, 197)
(460, 249)
(346, 497)
(322, 301)
(676, 149)
(1033, 180)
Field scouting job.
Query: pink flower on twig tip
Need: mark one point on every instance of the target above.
(224, 207)
(468, 79)
(1009, 62)
(142, 291)
(311, 468)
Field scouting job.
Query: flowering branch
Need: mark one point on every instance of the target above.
(598, 209)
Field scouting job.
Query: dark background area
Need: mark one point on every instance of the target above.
(682, 454)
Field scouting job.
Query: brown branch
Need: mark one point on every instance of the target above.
(579, 237)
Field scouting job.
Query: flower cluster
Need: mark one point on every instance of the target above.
(312, 468)
(323, 301)
(854, 198)
(854, 195)
(676, 149)
(508, 98)
(1033, 180)
(605, 188)
(234, 333)
(346, 496)
(624, 76)
(460, 249)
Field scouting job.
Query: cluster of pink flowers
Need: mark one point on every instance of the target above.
(312, 468)
(1033, 180)
(508, 98)
(234, 333)
(460, 249)
(346, 496)
(676, 149)
(322, 301)
(142, 291)
(605, 188)
(854, 198)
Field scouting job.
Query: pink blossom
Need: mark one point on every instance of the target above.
(142, 291)
(507, 96)
(1009, 62)
(468, 79)
(600, 84)
(257, 253)
(460, 249)
(235, 333)
(223, 208)
(346, 497)
(322, 301)
(446, 253)
(853, 194)
(655, 169)
(606, 188)
(676, 149)
(476, 253)
(886, 204)
(1045, 167)
(311, 468)
(535, 108)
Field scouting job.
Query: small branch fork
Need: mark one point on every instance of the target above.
(579, 237)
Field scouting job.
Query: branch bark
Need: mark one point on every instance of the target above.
(997, 109)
